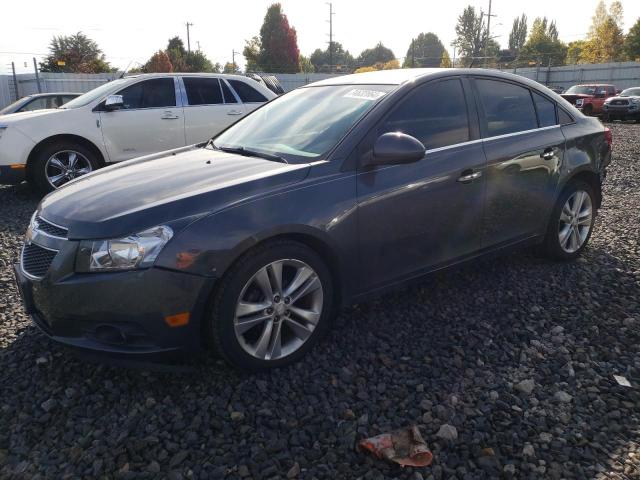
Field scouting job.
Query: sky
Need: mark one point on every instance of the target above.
(131, 31)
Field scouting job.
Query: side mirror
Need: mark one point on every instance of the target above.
(395, 148)
(113, 102)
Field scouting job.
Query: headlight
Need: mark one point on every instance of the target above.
(635, 100)
(135, 251)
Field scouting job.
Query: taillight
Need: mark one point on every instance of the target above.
(608, 136)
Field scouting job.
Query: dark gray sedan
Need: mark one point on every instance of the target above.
(324, 196)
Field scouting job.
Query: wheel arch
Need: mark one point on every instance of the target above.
(63, 137)
(591, 178)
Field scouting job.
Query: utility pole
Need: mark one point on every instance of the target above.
(486, 42)
(198, 42)
(188, 38)
(15, 80)
(331, 14)
(35, 67)
(233, 60)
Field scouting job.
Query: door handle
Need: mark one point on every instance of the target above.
(469, 176)
(234, 112)
(169, 116)
(548, 154)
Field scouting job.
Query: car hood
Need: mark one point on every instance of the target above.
(572, 97)
(18, 117)
(173, 187)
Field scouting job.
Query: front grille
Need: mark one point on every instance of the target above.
(619, 102)
(49, 228)
(36, 259)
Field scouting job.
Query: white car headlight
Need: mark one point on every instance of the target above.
(135, 251)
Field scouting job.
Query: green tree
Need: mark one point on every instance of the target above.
(251, 54)
(543, 46)
(177, 53)
(574, 52)
(230, 67)
(605, 41)
(158, 63)
(305, 65)
(74, 54)
(445, 60)
(632, 42)
(424, 51)
(341, 58)
(196, 61)
(518, 35)
(471, 33)
(377, 54)
(279, 51)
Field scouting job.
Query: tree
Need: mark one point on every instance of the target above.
(177, 53)
(605, 40)
(377, 54)
(279, 51)
(574, 52)
(75, 54)
(632, 42)
(390, 65)
(230, 67)
(341, 58)
(158, 63)
(251, 54)
(445, 60)
(305, 65)
(470, 36)
(543, 46)
(425, 51)
(518, 35)
(196, 61)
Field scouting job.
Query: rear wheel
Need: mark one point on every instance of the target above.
(60, 162)
(571, 222)
(272, 306)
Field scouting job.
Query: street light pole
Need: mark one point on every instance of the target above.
(188, 37)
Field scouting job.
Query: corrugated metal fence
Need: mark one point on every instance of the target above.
(623, 75)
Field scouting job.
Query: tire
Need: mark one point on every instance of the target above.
(587, 110)
(579, 232)
(240, 334)
(43, 169)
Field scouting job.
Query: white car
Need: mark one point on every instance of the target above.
(126, 118)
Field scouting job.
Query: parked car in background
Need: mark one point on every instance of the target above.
(625, 106)
(589, 98)
(269, 81)
(122, 119)
(326, 195)
(39, 101)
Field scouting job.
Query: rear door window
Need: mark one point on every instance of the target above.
(435, 114)
(154, 93)
(546, 110)
(203, 91)
(508, 108)
(226, 91)
(247, 93)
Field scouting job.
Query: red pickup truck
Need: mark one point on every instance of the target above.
(590, 98)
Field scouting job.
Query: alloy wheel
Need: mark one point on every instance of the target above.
(64, 166)
(575, 221)
(278, 309)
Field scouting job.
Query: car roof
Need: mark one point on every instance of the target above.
(186, 74)
(52, 94)
(404, 75)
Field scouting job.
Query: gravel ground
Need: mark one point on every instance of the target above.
(518, 354)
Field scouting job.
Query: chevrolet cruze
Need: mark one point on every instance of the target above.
(249, 243)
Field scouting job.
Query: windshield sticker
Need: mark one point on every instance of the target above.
(364, 94)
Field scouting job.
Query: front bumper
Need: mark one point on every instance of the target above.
(120, 313)
(622, 111)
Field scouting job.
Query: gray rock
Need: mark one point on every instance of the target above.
(525, 386)
(447, 432)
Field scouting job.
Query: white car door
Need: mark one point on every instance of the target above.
(209, 107)
(150, 121)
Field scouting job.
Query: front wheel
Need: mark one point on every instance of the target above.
(272, 306)
(59, 163)
(571, 222)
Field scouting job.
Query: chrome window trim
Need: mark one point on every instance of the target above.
(513, 134)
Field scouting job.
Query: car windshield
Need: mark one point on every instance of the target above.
(630, 92)
(582, 90)
(14, 106)
(97, 92)
(305, 124)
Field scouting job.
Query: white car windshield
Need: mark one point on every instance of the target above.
(97, 92)
(630, 92)
(302, 125)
